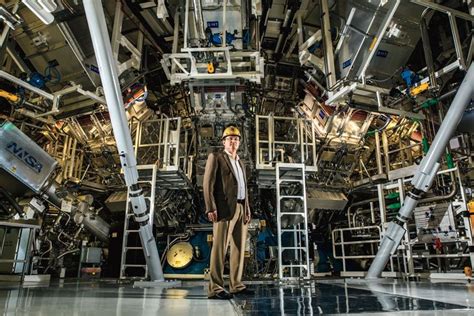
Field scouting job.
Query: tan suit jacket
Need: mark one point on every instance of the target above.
(220, 186)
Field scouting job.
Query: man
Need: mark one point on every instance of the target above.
(227, 207)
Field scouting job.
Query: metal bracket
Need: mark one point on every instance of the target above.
(161, 11)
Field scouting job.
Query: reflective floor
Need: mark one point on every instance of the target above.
(347, 297)
(108, 298)
(329, 296)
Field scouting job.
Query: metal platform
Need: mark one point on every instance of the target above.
(266, 178)
(173, 179)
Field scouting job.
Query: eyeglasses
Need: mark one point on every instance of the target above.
(231, 138)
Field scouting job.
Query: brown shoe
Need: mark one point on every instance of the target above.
(222, 295)
(244, 292)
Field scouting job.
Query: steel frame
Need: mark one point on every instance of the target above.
(189, 68)
(306, 144)
(405, 250)
(117, 40)
(168, 139)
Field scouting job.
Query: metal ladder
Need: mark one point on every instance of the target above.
(130, 268)
(293, 236)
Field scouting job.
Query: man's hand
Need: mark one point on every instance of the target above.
(212, 216)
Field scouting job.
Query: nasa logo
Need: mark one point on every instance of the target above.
(24, 156)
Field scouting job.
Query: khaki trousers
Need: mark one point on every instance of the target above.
(233, 232)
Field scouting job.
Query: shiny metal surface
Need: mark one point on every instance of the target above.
(96, 225)
(22, 158)
(396, 51)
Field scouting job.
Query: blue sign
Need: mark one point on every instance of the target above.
(213, 24)
(347, 63)
(322, 115)
(24, 156)
(94, 68)
(382, 53)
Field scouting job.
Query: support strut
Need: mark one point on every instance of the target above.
(113, 96)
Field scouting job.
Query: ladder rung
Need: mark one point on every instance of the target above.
(131, 231)
(134, 265)
(293, 213)
(293, 230)
(302, 248)
(290, 180)
(289, 166)
(133, 248)
(294, 265)
(291, 197)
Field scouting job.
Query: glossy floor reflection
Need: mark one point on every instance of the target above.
(361, 297)
(108, 298)
(330, 296)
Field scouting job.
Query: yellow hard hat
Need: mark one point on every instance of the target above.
(231, 131)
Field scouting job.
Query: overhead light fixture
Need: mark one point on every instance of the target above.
(42, 9)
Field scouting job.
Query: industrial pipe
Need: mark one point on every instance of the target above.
(25, 85)
(34, 116)
(198, 20)
(363, 202)
(11, 97)
(82, 214)
(425, 175)
(113, 96)
(93, 223)
(450, 195)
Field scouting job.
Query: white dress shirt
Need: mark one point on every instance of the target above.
(239, 175)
